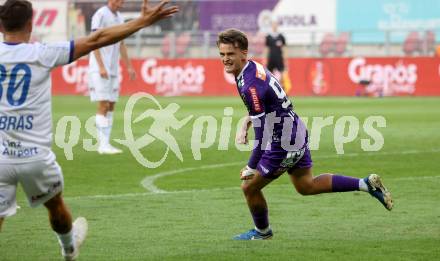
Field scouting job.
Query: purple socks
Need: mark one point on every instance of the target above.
(343, 183)
(261, 219)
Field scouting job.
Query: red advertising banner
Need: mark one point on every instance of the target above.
(49, 20)
(309, 77)
(369, 76)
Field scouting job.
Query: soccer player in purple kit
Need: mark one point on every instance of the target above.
(281, 138)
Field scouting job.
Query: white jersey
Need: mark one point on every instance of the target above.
(102, 18)
(25, 99)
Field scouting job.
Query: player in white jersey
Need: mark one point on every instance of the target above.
(104, 74)
(25, 113)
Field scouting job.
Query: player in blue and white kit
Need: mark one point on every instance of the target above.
(104, 74)
(26, 116)
(281, 139)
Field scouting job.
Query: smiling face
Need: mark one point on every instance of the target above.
(233, 58)
(233, 49)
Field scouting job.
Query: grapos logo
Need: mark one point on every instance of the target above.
(206, 130)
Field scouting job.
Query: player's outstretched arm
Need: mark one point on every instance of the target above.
(114, 34)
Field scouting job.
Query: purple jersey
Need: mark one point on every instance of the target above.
(278, 130)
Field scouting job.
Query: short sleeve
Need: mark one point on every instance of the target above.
(283, 39)
(120, 18)
(267, 40)
(56, 54)
(97, 21)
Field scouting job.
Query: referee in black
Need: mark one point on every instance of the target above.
(275, 48)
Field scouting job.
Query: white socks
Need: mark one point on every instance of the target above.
(104, 128)
(263, 231)
(110, 123)
(362, 185)
(66, 241)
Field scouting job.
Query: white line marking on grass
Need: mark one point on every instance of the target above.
(148, 182)
(416, 178)
(131, 195)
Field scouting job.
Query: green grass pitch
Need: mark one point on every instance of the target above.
(204, 207)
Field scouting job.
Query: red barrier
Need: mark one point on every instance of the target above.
(380, 76)
(322, 77)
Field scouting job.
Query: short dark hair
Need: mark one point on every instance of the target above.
(233, 36)
(14, 14)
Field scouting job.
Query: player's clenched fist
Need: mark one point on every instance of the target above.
(241, 137)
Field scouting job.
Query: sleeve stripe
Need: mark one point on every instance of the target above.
(72, 50)
(258, 115)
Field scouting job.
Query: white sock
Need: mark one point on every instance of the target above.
(362, 185)
(109, 117)
(66, 241)
(102, 126)
(263, 231)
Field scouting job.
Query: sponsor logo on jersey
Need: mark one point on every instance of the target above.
(241, 82)
(255, 100)
(16, 123)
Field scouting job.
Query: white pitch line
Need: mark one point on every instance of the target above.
(148, 182)
(130, 195)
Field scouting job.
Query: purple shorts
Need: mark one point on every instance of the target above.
(273, 163)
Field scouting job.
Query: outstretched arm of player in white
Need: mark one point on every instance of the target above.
(114, 34)
(241, 137)
(127, 62)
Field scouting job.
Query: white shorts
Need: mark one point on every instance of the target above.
(40, 180)
(102, 89)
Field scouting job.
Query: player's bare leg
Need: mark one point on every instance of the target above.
(59, 215)
(103, 107)
(257, 206)
(111, 106)
(69, 236)
(306, 184)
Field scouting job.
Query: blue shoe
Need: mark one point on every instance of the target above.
(378, 190)
(254, 235)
